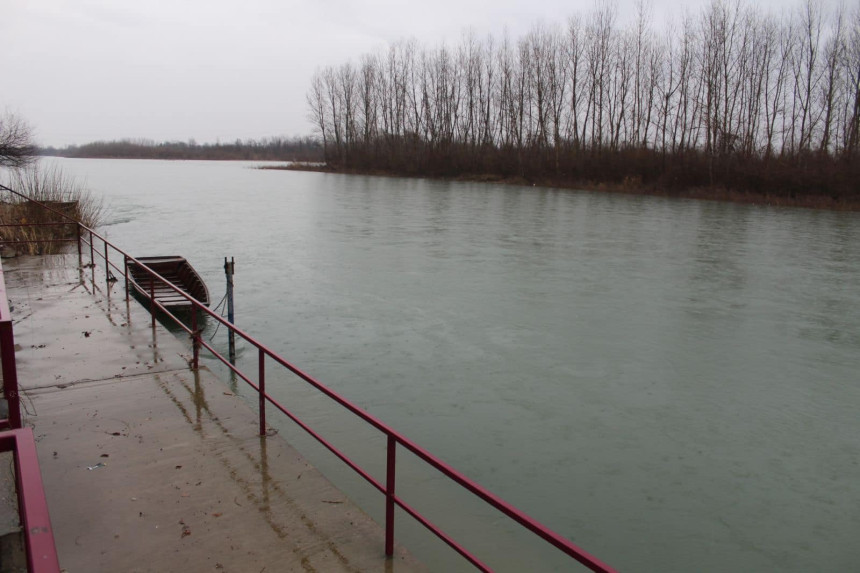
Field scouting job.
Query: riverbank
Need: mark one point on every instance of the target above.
(266, 149)
(628, 187)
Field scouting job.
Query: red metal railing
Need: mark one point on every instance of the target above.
(7, 355)
(32, 506)
(89, 237)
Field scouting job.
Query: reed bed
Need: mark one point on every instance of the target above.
(24, 220)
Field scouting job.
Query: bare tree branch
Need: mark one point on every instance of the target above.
(16, 141)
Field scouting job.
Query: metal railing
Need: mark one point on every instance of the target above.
(32, 506)
(92, 239)
(39, 543)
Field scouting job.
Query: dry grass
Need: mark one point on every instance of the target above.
(62, 193)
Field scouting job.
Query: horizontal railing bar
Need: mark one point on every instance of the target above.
(226, 362)
(358, 469)
(178, 322)
(40, 241)
(441, 534)
(509, 510)
(16, 225)
(116, 267)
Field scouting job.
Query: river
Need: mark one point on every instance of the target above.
(672, 384)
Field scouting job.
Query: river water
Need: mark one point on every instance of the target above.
(672, 384)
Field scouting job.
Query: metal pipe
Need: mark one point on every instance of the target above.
(195, 339)
(389, 495)
(229, 269)
(152, 299)
(107, 267)
(262, 392)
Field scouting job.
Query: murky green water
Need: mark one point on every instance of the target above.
(672, 384)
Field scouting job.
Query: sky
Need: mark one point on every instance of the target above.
(218, 70)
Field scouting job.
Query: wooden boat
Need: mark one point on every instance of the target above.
(176, 270)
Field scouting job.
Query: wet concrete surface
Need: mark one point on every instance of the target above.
(149, 466)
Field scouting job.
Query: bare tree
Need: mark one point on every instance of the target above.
(729, 94)
(833, 55)
(16, 141)
(317, 105)
(852, 72)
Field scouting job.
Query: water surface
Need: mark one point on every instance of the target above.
(672, 384)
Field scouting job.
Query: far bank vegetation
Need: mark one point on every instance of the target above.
(731, 98)
(306, 149)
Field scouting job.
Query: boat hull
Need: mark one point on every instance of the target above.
(178, 272)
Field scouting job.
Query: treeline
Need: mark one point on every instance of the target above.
(730, 97)
(266, 149)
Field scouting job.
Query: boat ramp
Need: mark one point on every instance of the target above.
(149, 465)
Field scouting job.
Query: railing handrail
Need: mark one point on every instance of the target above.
(523, 519)
(32, 505)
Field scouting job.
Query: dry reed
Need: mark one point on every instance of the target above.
(52, 187)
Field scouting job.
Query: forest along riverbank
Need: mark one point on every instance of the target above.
(630, 186)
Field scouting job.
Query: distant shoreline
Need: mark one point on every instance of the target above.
(812, 201)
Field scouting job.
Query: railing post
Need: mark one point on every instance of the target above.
(107, 266)
(80, 250)
(262, 392)
(92, 251)
(10, 373)
(389, 496)
(195, 339)
(125, 271)
(231, 336)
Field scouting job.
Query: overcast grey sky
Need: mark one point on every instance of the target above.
(84, 70)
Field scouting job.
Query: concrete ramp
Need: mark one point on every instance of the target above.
(149, 466)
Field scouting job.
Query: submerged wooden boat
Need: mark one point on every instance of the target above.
(176, 270)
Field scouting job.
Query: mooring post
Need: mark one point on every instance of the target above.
(229, 268)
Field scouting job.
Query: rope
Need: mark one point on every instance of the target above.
(221, 313)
